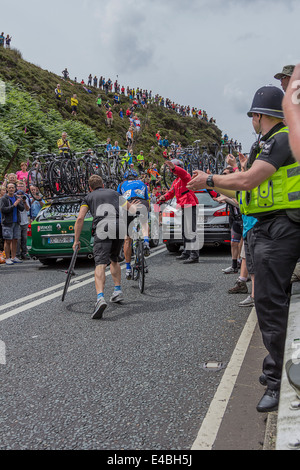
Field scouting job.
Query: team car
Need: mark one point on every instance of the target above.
(212, 223)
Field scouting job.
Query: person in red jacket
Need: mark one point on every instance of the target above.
(188, 203)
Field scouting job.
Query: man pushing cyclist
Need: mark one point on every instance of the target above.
(109, 230)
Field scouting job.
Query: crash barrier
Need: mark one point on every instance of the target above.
(288, 418)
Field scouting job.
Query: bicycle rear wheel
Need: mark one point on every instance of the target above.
(141, 266)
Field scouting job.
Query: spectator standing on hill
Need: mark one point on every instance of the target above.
(74, 104)
(2, 40)
(58, 92)
(99, 101)
(165, 142)
(109, 117)
(8, 41)
(63, 144)
(90, 78)
(65, 74)
(95, 81)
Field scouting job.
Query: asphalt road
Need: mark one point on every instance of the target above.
(132, 380)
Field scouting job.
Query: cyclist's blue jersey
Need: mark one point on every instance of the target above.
(133, 189)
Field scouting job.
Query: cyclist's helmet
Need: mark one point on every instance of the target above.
(177, 162)
(130, 175)
(268, 100)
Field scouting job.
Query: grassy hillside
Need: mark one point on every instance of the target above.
(32, 119)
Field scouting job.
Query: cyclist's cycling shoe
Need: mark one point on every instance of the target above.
(100, 306)
(128, 274)
(146, 249)
(117, 296)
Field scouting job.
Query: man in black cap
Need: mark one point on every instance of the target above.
(269, 191)
(285, 76)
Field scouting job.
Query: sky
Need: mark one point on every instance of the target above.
(211, 54)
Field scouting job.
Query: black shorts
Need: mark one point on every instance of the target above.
(106, 251)
(143, 216)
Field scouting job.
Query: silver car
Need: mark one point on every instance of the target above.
(212, 223)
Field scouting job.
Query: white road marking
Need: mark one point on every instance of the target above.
(213, 419)
(49, 297)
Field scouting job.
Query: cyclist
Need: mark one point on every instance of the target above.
(133, 189)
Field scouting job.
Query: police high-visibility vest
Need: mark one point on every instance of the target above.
(280, 191)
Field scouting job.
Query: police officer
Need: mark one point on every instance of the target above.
(270, 191)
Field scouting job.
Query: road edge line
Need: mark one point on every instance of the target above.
(212, 421)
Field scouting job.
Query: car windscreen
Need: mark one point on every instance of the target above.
(63, 211)
(206, 200)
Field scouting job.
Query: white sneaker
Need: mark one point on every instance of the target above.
(248, 302)
(17, 260)
(9, 261)
(117, 296)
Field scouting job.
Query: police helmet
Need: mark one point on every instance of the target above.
(177, 162)
(268, 100)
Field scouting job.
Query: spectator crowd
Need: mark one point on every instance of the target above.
(17, 210)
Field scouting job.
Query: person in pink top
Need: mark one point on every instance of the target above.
(22, 174)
